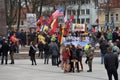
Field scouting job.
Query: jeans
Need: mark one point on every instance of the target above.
(102, 58)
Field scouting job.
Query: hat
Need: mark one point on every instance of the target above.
(53, 39)
(115, 48)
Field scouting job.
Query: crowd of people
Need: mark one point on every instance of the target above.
(68, 56)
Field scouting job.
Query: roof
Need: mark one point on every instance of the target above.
(111, 4)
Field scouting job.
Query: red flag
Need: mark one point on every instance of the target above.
(54, 26)
(67, 28)
(68, 25)
(40, 21)
(38, 28)
(97, 20)
(50, 19)
(71, 18)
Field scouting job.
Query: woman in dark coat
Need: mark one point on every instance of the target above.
(32, 52)
(73, 58)
(79, 52)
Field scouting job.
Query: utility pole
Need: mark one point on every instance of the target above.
(3, 29)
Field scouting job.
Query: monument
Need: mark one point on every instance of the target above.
(3, 29)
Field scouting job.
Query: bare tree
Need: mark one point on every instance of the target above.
(11, 12)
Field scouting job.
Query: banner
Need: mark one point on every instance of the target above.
(79, 27)
(31, 19)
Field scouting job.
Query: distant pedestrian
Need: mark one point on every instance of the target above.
(32, 52)
(12, 51)
(4, 49)
(103, 47)
(41, 49)
(90, 56)
(47, 53)
(73, 58)
(111, 64)
(80, 52)
(54, 51)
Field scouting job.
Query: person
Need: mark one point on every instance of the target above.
(86, 51)
(90, 55)
(12, 51)
(73, 58)
(46, 54)
(103, 47)
(32, 52)
(22, 38)
(65, 59)
(80, 52)
(54, 51)
(115, 48)
(111, 64)
(5, 49)
(40, 47)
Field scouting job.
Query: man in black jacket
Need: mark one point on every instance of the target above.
(111, 64)
(5, 49)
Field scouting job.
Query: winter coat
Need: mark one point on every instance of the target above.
(53, 49)
(32, 50)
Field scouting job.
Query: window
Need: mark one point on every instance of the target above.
(112, 17)
(60, 20)
(106, 17)
(87, 1)
(88, 20)
(73, 12)
(117, 17)
(82, 12)
(78, 20)
(82, 20)
(22, 22)
(87, 11)
(82, 2)
(78, 12)
(69, 12)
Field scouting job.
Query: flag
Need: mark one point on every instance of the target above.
(50, 19)
(65, 18)
(112, 25)
(67, 28)
(71, 18)
(62, 35)
(54, 26)
(106, 27)
(97, 21)
(58, 12)
(45, 27)
(40, 20)
(37, 29)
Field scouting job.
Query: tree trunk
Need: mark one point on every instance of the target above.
(3, 29)
(19, 15)
(40, 12)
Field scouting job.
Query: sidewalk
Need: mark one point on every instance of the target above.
(23, 70)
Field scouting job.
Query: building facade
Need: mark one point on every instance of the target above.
(109, 11)
(84, 12)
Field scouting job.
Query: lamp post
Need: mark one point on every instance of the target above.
(3, 29)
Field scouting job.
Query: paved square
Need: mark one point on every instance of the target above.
(23, 70)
